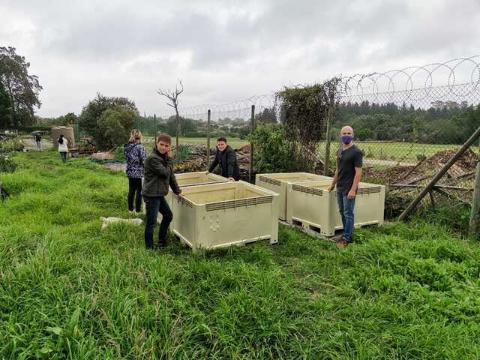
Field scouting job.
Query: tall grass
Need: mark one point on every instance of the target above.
(70, 290)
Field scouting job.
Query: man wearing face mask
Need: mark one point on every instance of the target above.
(347, 177)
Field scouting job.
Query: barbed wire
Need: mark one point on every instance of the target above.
(420, 86)
(416, 83)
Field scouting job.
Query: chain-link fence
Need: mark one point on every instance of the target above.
(408, 122)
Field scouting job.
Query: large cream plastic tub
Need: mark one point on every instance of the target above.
(198, 178)
(313, 207)
(192, 179)
(278, 183)
(219, 215)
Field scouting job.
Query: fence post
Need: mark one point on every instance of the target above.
(252, 119)
(209, 114)
(475, 215)
(177, 117)
(155, 124)
(326, 165)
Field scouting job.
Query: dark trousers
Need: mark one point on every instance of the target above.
(155, 205)
(63, 154)
(135, 192)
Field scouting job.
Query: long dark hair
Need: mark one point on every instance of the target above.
(60, 139)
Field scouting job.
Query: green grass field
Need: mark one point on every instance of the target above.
(234, 142)
(398, 151)
(404, 152)
(71, 291)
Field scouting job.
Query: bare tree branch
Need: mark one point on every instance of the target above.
(172, 96)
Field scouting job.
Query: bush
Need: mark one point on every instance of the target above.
(13, 144)
(108, 120)
(114, 127)
(182, 154)
(7, 164)
(272, 152)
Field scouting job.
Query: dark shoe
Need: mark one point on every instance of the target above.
(161, 246)
(342, 243)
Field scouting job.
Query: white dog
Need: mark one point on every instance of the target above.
(113, 220)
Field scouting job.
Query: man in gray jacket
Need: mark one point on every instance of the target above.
(159, 177)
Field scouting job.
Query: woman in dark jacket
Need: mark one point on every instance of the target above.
(135, 155)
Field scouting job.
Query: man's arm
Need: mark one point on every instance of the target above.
(356, 180)
(334, 180)
(214, 164)
(231, 160)
(358, 162)
(174, 185)
(156, 165)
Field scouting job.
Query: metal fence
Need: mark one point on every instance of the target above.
(408, 122)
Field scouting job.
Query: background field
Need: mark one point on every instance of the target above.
(70, 290)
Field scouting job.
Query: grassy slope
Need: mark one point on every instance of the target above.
(68, 290)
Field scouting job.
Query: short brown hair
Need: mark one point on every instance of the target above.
(164, 137)
(222, 139)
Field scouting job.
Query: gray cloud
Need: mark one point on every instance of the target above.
(224, 50)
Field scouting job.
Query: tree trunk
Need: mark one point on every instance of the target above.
(13, 117)
(178, 132)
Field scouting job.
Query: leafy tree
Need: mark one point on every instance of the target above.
(187, 126)
(267, 116)
(89, 119)
(70, 119)
(22, 89)
(114, 127)
(4, 108)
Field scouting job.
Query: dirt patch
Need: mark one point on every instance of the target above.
(462, 169)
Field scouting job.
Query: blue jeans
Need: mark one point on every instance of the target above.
(153, 206)
(346, 207)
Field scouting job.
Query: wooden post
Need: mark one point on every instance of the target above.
(209, 115)
(252, 119)
(442, 172)
(178, 134)
(327, 143)
(475, 214)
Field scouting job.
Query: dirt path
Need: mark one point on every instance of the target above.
(31, 145)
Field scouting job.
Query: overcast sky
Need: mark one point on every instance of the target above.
(224, 50)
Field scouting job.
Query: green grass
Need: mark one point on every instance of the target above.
(234, 142)
(70, 290)
(389, 151)
(398, 151)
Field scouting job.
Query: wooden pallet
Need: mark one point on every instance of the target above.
(315, 231)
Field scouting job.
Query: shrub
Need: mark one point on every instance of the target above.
(108, 120)
(7, 164)
(114, 127)
(272, 152)
(13, 144)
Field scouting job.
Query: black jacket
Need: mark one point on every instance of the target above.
(159, 175)
(228, 162)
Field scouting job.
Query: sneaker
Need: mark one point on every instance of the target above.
(342, 243)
